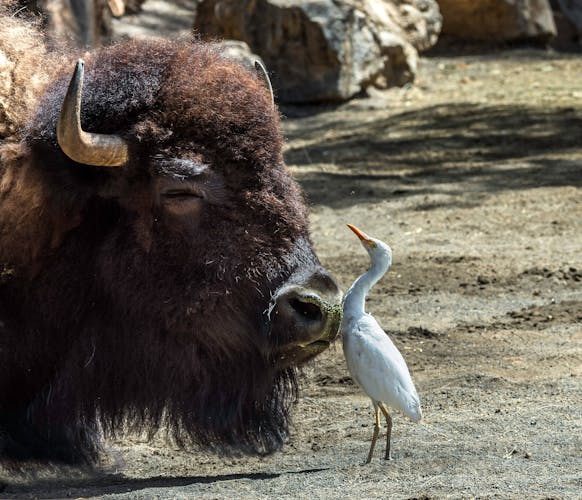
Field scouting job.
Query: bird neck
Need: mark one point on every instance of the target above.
(355, 299)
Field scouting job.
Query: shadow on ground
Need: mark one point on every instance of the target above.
(103, 484)
(482, 148)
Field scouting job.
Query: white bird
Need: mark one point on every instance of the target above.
(373, 360)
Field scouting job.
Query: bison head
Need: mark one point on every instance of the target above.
(162, 271)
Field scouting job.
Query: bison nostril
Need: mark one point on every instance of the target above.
(308, 310)
(305, 318)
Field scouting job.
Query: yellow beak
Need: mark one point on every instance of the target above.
(364, 238)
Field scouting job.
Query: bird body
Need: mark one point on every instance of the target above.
(373, 360)
(378, 368)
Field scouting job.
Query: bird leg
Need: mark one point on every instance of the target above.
(376, 431)
(388, 456)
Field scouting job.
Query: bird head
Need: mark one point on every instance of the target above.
(375, 248)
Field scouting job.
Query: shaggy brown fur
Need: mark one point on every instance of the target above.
(22, 52)
(124, 306)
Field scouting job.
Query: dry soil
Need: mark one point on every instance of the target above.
(473, 176)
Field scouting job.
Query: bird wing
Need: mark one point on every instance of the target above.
(378, 366)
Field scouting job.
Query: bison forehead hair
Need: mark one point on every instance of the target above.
(152, 292)
(164, 91)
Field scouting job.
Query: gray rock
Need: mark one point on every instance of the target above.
(240, 52)
(327, 50)
(498, 20)
(572, 9)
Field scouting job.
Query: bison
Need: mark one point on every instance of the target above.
(156, 269)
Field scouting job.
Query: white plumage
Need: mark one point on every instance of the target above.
(373, 360)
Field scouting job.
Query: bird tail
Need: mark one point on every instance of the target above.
(416, 413)
(413, 408)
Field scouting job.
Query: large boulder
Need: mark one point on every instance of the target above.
(498, 20)
(572, 9)
(327, 50)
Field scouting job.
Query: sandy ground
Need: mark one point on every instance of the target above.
(474, 178)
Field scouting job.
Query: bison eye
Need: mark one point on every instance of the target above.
(180, 194)
(182, 200)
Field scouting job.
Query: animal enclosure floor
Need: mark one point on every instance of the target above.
(473, 176)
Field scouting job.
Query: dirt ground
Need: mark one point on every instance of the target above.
(474, 177)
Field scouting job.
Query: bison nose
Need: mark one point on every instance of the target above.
(304, 311)
(306, 317)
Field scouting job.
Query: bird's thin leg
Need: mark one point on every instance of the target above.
(388, 456)
(376, 431)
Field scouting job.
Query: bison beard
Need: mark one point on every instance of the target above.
(118, 313)
(122, 374)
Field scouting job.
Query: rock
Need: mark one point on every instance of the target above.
(568, 19)
(572, 9)
(568, 37)
(327, 50)
(155, 19)
(240, 52)
(129, 6)
(498, 20)
(83, 23)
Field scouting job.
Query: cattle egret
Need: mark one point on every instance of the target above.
(373, 360)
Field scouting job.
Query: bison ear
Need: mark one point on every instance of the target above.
(100, 150)
(263, 75)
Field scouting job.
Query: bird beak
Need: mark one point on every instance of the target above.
(364, 238)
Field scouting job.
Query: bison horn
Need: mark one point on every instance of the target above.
(262, 73)
(100, 150)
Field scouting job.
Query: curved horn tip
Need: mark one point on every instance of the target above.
(79, 71)
(102, 150)
(262, 73)
(76, 84)
(259, 66)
